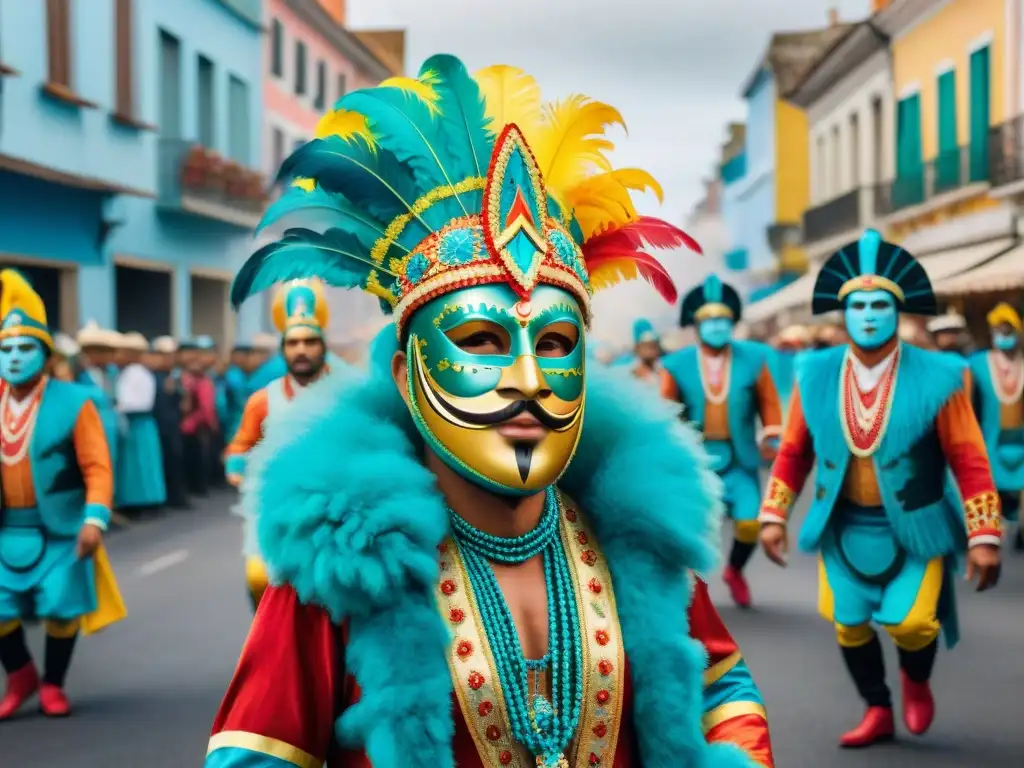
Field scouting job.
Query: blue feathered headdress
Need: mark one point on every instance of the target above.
(712, 298)
(421, 186)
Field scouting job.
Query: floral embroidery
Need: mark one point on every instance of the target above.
(582, 538)
(602, 637)
(605, 667)
(459, 246)
(416, 267)
(589, 557)
(448, 587)
(456, 616)
(594, 586)
(464, 649)
(476, 681)
(485, 708)
(603, 696)
(600, 730)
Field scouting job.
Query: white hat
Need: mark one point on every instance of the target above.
(65, 345)
(134, 341)
(951, 321)
(93, 336)
(164, 345)
(265, 342)
(795, 334)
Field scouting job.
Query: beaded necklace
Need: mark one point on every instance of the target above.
(715, 383)
(864, 425)
(545, 726)
(1008, 377)
(16, 430)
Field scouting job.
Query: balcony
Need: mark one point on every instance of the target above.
(199, 182)
(949, 177)
(830, 219)
(734, 169)
(1006, 154)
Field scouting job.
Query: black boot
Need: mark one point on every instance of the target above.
(58, 659)
(740, 554)
(867, 668)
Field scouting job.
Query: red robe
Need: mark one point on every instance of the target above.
(290, 687)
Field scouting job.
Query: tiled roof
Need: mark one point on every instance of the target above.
(791, 54)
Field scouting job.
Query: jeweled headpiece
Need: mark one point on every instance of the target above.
(422, 186)
(300, 305)
(871, 264)
(712, 298)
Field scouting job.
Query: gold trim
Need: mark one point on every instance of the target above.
(263, 745)
(870, 283)
(779, 499)
(717, 671)
(713, 310)
(470, 661)
(436, 195)
(475, 273)
(729, 710)
(982, 513)
(599, 621)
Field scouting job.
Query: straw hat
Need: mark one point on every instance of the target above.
(65, 346)
(795, 334)
(164, 345)
(91, 335)
(134, 341)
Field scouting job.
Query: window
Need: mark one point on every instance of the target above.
(205, 93)
(276, 48)
(238, 120)
(342, 84)
(908, 189)
(980, 95)
(854, 151)
(58, 42)
(835, 182)
(947, 160)
(821, 193)
(124, 83)
(300, 69)
(877, 140)
(170, 86)
(277, 143)
(321, 85)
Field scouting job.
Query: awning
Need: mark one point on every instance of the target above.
(793, 295)
(1003, 273)
(956, 261)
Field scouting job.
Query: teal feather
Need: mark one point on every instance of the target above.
(334, 256)
(404, 125)
(463, 111)
(320, 210)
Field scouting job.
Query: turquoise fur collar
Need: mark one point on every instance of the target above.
(925, 382)
(351, 519)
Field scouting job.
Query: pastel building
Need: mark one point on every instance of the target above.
(129, 135)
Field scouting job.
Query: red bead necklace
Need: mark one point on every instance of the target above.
(863, 440)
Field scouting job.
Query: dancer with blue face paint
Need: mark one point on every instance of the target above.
(881, 424)
(648, 350)
(725, 386)
(999, 402)
(56, 486)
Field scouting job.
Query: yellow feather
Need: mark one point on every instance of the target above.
(570, 144)
(347, 125)
(612, 273)
(511, 96)
(305, 184)
(421, 87)
(603, 200)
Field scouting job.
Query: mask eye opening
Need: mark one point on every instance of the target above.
(481, 337)
(557, 340)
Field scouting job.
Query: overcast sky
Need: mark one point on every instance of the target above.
(674, 68)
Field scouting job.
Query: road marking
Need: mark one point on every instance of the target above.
(163, 562)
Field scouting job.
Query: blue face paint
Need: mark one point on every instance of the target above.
(21, 359)
(872, 318)
(715, 332)
(1006, 342)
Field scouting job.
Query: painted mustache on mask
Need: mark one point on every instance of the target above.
(510, 411)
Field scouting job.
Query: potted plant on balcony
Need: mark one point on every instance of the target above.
(234, 180)
(193, 168)
(214, 181)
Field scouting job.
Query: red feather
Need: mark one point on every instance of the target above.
(644, 231)
(646, 265)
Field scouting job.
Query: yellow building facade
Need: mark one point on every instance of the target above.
(948, 70)
(792, 178)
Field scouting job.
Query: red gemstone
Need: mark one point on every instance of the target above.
(570, 515)
(505, 757)
(589, 557)
(442, 548)
(581, 537)
(605, 667)
(594, 586)
(600, 730)
(464, 649)
(602, 637)
(456, 615)
(603, 697)
(476, 681)
(594, 759)
(485, 708)
(448, 587)
(493, 732)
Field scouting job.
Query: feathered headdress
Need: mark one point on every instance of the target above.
(22, 312)
(871, 264)
(712, 298)
(422, 186)
(300, 304)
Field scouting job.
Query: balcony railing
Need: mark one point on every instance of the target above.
(1006, 152)
(947, 172)
(838, 215)
(197, 181)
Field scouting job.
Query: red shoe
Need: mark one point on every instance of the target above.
(918, 705)
(21, 686)
(876, 726)
(53, 701)
(737, 585)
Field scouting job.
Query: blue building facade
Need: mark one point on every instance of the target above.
(106, 104)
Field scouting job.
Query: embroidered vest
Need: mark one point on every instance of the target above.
(911, 469)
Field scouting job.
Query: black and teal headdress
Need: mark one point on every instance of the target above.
(419, 187)
(871, 264)
(712, 298)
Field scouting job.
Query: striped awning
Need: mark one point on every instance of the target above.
(1002, 273)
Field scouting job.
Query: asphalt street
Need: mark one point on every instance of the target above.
(146, 690)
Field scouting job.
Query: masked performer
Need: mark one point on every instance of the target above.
(438, 591)
(725, 385)
(999, 402)
(882, 424)
(56, 487)
(301, 315)
(648, 350)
